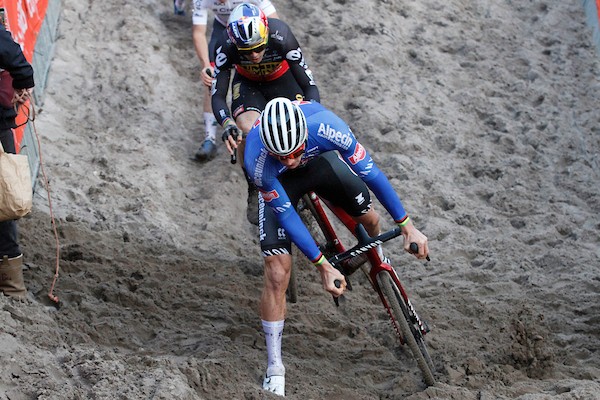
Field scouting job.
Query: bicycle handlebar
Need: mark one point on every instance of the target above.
(366, 243)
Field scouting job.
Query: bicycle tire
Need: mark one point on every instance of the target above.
(411, 335)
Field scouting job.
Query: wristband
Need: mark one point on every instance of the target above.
(319, 261)
(404, 221)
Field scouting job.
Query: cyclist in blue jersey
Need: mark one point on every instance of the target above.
(296, 147)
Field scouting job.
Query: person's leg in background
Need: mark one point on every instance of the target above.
(208, 149)
(179, 7)
(11, 259)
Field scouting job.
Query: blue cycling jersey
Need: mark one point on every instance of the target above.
(326, 132)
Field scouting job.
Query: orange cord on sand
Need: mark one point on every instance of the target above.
(47, 187)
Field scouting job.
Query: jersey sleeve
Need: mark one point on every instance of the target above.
(220, 84)
(276, 197)
(267, 7)
(332, 133)
(360, 161)
(299, 68)
(199, 13)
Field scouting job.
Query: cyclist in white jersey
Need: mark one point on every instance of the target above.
(205, 50)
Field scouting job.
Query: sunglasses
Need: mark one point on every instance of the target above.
(297, 153)
(247, 52)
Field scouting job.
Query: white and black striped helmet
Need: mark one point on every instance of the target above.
(282, 126)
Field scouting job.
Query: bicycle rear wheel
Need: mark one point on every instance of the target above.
(411, 334)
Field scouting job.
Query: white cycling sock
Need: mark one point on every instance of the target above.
(210, 125)
(273, 333)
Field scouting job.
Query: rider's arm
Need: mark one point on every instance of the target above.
(199, 22)
(223, 67)
(275, 197)
(360, 161)
(219, 96)
(306, 81)
(289, 220)
(300, 69)
(363, 165)
(201, 44)
(385, 193)
(268, 8)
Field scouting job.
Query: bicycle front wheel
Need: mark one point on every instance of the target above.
(411, 335)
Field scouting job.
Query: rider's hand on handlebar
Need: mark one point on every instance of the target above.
(413, 235)
(206, 75)
(232, 136)
(328, 276)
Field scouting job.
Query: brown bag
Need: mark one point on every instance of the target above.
(6, 89)
(15, 186)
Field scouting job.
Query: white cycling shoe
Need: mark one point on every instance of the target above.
(275, 381)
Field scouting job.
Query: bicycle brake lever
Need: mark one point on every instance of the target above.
(340, 298)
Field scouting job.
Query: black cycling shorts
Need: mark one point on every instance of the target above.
(247, 95)
(330, 178)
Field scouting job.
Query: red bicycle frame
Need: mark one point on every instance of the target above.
(377, 265)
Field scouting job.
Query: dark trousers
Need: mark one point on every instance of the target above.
(8, 229)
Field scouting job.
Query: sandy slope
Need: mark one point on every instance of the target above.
(483, 114)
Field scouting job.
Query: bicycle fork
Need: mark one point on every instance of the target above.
(410, 310)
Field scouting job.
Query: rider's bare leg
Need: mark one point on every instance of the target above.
(272, 309)
(276, 278)
(370, 221)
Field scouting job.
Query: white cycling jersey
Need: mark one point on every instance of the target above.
(222, 9)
